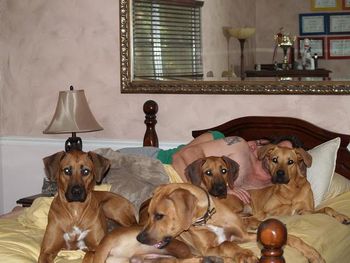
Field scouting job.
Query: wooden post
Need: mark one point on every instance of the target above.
(150, 108)
(272, 235)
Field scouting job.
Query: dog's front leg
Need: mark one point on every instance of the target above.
(344, 219)
(209, 244)
(232, 250)
(51, 244)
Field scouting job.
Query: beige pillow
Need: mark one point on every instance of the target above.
(320, 173)
(339, 185)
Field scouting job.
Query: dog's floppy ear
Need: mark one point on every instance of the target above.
(304, 156)
(304, 160)
(51, 164)
(264, 150)
(193, 171)
(185, 204)
(101, 164)
(232, 173)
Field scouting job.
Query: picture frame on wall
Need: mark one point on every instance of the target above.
(326, 5)
(313, 24)
(338, 23)
(346, 4)
(317, 46)
(338, 47)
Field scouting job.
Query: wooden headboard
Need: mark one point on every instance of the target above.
(257, 127)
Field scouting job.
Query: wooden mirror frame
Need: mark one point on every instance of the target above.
(212, 87)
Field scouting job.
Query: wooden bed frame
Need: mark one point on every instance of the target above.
(272, 234)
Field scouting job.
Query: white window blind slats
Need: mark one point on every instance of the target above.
(167, 40)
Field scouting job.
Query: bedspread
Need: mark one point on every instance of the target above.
(20, 238)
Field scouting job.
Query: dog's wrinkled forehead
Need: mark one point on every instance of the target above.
(284, 152)
(76, 159)
(214, 163)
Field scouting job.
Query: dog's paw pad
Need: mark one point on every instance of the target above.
(212, 259)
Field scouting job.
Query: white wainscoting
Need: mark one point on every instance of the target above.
(22, 168)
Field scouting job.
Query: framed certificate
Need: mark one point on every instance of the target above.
(316, 44)
(339, 47)
(326, 5)
(346, 4)
(313, 24)
(339, 23)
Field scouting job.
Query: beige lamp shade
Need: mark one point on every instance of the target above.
(72, 114)
(241, 33)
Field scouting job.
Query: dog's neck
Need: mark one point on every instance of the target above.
(209, 212)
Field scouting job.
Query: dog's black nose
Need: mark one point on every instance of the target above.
(142, 237)
(76, 190)
(76, 193)
(219, 190)
(280, 177)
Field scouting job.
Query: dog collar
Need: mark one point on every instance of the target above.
(208, 214)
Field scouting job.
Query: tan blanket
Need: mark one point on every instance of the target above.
(133, 176)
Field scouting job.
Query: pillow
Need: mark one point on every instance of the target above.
(320, 173)
(339, 185)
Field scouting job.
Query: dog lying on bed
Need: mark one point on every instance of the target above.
(181, 212)
(290, 193)
(78, 215)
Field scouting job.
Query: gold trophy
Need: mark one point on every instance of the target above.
(285, 41)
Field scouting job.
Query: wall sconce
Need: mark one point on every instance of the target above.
(242, 34)
(72, 115)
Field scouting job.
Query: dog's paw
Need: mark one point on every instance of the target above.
(246, 256)
(342, 218)
(212, 259)
(316, 259)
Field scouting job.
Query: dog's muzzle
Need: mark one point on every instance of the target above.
(76, 193)
(219, 190)
(144, 238)
(280, 178)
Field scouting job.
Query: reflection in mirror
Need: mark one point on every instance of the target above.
(217, 57)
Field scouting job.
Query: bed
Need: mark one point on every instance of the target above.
(21, 231)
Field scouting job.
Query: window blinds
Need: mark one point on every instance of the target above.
(167, 39)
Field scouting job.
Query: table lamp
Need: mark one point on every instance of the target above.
(242, 34)
(72, 115)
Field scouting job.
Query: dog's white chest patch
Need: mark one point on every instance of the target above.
(219, 232)
(76, 235)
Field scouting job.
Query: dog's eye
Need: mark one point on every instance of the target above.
(85, 172)
(67, 171)
(208, 172)
(223, 171)
(158, 216)
(290, 162)
(274, 159)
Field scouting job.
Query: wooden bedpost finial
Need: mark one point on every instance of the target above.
(272, 234)
(150, 108)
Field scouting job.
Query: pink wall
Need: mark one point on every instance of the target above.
(48, 45)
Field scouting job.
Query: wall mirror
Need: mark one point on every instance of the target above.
(224, 54)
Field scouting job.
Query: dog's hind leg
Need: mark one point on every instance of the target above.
(308, 251)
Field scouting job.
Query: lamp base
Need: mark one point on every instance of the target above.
(73, 143)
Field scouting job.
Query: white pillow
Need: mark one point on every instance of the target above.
(339, 185)
(320, 173)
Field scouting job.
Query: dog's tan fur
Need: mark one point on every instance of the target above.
(77, 208)
(290, 194)
(170, 230)
(173, 211)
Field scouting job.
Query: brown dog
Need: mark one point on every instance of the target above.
(188, 213)
(291, 191)
(78, 215)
